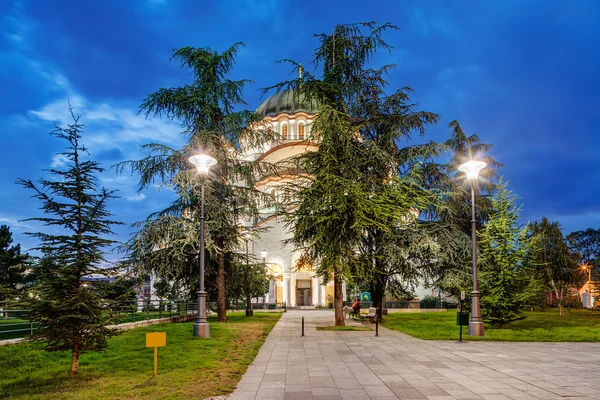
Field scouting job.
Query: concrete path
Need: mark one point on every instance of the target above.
(357, 365)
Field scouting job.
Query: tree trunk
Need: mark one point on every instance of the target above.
(377, 293)
(338, 300)
(75, 359)
(249, 306)
(221, 302)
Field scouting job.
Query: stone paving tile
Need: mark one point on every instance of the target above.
(407, 393)
(353, 394)
(356, 365)
(298, 396)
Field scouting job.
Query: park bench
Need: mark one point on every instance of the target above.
(370, 316)
(356, 313)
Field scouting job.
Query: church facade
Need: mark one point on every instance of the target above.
(291, 117)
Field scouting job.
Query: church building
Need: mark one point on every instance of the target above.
(290, 116)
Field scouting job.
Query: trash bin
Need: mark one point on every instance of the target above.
(462, 318)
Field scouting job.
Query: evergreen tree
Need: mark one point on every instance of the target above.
(506, 285)
(364, 184)
(211, 112)
(13, 265)
(72, 315)
(585, 245)
(550, 256)
(454, 269)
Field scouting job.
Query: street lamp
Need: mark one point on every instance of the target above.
(472, 169)
(202, 162)
(587, 268)
(249, 311)
(264, 253)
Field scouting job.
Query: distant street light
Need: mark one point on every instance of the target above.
(472, 169)
(587, 268)
(202, 162)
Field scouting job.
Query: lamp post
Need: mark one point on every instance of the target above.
(472, 169)
(249, 311)
(264, 253)
(202, 162)
(587, 268)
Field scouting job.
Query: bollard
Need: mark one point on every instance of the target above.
(376, 326)
(302, 326)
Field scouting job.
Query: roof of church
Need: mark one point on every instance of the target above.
(287, 102)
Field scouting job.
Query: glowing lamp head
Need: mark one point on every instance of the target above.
(472, 168)
(264, 254)
(202, 162)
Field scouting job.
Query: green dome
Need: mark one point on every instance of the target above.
(287, 102)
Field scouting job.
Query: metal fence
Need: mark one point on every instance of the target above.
(15, 322)
(425, 304)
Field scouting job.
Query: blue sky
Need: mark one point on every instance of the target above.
(524, 75)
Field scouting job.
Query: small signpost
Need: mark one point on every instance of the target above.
(156, 340)
(462, 318)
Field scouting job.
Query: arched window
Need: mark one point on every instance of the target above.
(284, 133)
(301, 131)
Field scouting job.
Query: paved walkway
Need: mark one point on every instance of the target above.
(358, 365)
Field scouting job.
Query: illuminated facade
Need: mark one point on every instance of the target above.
(291, 117)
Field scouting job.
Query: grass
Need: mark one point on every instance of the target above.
(542, 326)
(343, 328)
(187, 368)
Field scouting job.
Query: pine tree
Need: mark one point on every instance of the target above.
(12, 265)
(454, 273)
(549, 255)
(364, 183)
(506, 285)
(71, 314)
(211, 112)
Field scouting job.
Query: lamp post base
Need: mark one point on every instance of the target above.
(476, 328)
(202, 329)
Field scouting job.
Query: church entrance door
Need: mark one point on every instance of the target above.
(303, 292)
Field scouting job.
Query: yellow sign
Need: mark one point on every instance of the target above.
(156, 340)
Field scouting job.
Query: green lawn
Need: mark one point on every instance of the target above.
(188, 367)
(543, 326)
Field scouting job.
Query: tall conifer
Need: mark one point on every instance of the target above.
(507, 286)
(71, 314)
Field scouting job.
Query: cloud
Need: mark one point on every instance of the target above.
(16, 223)
(430, 25)
(111, 127)
(59, 161)
(137, 197)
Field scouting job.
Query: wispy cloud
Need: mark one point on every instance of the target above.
(16, 223)
(137, 197)
(59, 161)
(432, 24)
